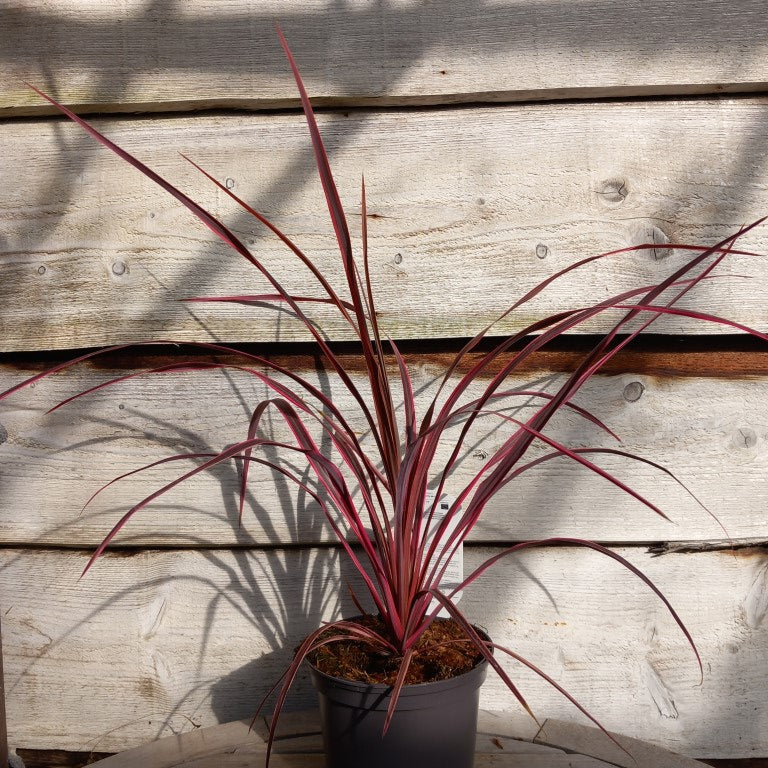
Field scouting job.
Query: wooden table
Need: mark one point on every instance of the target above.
(504, 741)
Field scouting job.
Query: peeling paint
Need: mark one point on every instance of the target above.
(661, 695)
(756, 602)
(163, 674)
(156, 613)
(651, 633)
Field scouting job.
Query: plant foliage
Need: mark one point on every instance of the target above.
(384, 527)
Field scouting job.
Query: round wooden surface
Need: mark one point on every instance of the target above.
(504, 741)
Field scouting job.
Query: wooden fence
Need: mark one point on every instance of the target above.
(501, 141)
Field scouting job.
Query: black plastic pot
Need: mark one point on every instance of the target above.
(434, 725)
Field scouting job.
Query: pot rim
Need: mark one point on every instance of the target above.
(411, 689)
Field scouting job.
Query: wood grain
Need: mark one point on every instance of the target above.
(298, 737)
(590, 741)
(711, 432)
(132, 56)
(58, 758)
(63, 759)
(232, 744)
(3, 727)
(164, 642)
(469, 206)
(467, 211)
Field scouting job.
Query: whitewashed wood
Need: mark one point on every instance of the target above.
(162, 642)
(318, 761)
(469, 210)
(3, 727)
(199, 743)
(247, 761)
(131, 55)
(237, 744)
(229, 760)
(236, 741)
(507, 724)
(591, 741)
(712, 432)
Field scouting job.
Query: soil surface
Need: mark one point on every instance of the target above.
(442, 652)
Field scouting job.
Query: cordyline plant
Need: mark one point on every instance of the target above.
(387, 530)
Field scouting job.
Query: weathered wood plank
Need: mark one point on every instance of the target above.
(236, 740)
(62, 759)
(591, 741)
(58, 758)
(233, 745)
(3, 728)
(133, 56)
(318, 761)
(163, 642)
(236, 760)
(467, 212)
(711, 432)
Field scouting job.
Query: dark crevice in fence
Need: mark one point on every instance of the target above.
(726, 356)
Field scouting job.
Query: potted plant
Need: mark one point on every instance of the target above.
(375, 672)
